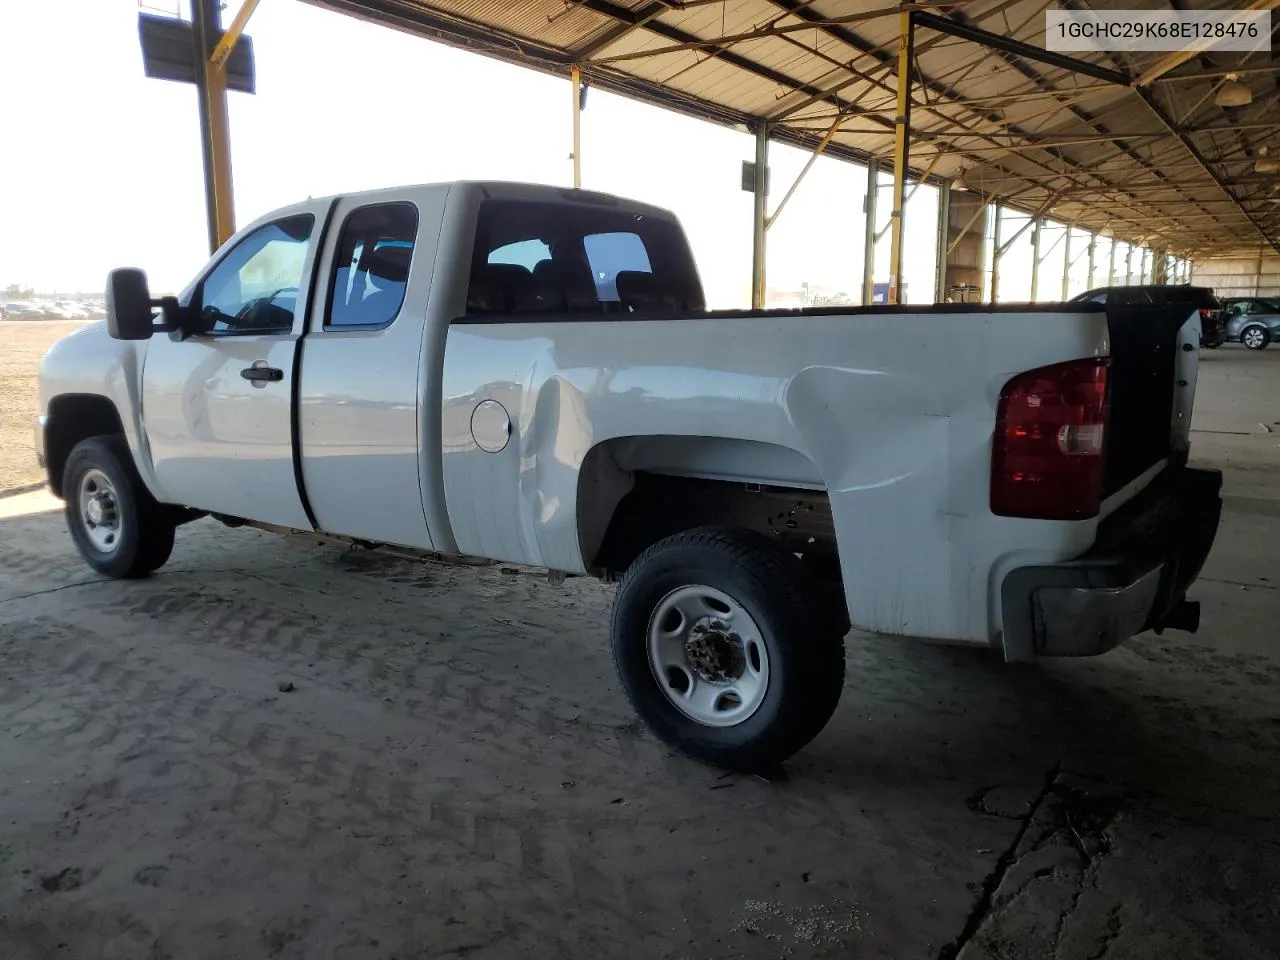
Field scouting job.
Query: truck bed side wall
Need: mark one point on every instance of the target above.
(894, 412)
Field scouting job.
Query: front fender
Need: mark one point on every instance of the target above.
(89, 362)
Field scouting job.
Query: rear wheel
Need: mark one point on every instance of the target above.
(722, 650)
(1255, 337)
(117, 526)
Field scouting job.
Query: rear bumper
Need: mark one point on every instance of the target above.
(1135, 578)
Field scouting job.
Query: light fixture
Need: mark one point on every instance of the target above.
(1233, 93)
(960, 183)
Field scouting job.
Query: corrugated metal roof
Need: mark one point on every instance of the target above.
(1086, 150)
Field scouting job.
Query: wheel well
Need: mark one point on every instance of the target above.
(658, 506)
(72, 418)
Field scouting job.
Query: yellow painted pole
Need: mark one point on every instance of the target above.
(576, 76)
(233, 33)
(215, 126)
(901, 143)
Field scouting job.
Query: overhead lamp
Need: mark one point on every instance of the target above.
(1233, 93)
(960, 183)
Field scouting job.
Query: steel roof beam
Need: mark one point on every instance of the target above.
(1003, 48)
(1189, 144)
(1027, 51)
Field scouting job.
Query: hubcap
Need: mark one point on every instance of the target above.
(708, 656)
(100, 511)
(1253, 338)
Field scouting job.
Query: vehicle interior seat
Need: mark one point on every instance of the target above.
(642, 293)
(563, 286)
(498, 287)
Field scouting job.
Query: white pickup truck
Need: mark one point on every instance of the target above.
(529, 374)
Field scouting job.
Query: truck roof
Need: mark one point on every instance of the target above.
(508, 190)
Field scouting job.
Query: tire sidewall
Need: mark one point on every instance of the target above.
(96, 454)
(645, 586)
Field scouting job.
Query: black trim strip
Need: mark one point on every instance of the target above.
(295, 388)
(781, 314)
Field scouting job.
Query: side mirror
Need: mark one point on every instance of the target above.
(129, 305)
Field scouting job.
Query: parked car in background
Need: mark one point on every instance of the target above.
(1212, 332)
(23, 310)
(1253, 321)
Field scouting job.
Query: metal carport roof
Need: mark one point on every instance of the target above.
(1115, 148)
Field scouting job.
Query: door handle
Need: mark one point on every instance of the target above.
(262, 373)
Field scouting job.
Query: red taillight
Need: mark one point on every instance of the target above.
(1205, 313)
(1046, 459)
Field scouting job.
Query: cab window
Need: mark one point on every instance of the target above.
(580, 260)
(371, 266)
(254, 288)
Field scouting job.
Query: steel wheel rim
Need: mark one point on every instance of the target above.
(708, 656)
(1253, 338)
(99, 510)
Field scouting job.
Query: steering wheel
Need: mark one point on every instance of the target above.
(252, 305)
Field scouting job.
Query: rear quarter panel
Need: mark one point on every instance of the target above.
(892, 411)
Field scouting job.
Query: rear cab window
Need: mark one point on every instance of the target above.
(588, 261)
(371, 266)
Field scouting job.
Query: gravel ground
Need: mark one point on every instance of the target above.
(22, 344)
(279, 749)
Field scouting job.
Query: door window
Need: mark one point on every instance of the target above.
(254, 288)
(371, 266)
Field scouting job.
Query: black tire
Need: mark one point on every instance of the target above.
(805, 649)
(146, 527)
(1260, 343)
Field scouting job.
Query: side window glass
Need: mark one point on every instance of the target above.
(611, 254)
(254, 289)
(525, 253)
(371, 266)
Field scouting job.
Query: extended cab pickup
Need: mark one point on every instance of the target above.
(529, 374)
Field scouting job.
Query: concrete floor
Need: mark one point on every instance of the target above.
(455, 774)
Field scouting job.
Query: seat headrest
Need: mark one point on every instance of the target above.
(566, 285)
(387, 263)
(641, 292)
(498, 288)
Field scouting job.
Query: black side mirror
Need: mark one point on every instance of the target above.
(129, 305)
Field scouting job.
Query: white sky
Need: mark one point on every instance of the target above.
(101, 166)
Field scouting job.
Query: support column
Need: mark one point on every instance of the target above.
(869, 245)
(901, 152)
(575, 76)
(1111, 264)
(1093, 248)
(944, 236)
(1067, 264)
(1128, 265)
(995, 256)
(215, 136)
(1036, 230)
(758, 217)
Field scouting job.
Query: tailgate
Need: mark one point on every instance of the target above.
(1154, 350)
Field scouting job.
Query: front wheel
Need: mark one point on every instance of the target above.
(117, 526)
(1255, 338)
(723, 651)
